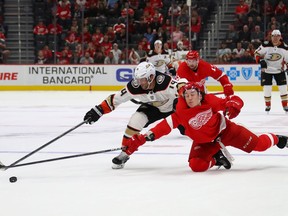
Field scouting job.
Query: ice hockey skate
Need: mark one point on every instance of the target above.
(267, 109)
(221, 160)
(120, 160)
(286, 109)
(283, 141)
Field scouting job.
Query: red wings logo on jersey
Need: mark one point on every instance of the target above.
(200, 119)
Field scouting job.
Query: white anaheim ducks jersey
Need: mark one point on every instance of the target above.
(162, 96)
(160, 61)
(180, 54)
(178, 57)
(276, 57)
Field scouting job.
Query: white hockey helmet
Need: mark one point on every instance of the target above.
(158, 42)
(145, 70)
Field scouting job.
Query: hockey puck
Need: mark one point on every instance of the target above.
(13, 179)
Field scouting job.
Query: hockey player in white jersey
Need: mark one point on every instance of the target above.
(155, 91)
(179, 54)
(161, 59)
(273, 58)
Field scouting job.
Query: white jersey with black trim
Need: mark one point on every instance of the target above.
(160, 61)
(276, 57)
(162, 96)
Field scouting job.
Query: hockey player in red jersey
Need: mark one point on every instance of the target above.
(208, 128)
(197, 70)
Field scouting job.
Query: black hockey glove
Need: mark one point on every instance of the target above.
(263, 64)
(93, 115)
(172, 71)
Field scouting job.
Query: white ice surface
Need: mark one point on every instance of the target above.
(155, 181)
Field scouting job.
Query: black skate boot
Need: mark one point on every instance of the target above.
(221, 160)
(267, 109)
(120, 160)
(283, 141)
(285, 109)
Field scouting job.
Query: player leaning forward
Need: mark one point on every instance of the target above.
(157, 93)
(272, 56)
(208, 128)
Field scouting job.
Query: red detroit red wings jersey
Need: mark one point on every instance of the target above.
(199, 76)
(202, 123)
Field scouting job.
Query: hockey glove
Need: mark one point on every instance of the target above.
(133, 143)
(172, 71)
(233, 106)
(263, 64)
(93, 115)
(228, 90)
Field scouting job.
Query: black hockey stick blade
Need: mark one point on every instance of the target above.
(63, 158)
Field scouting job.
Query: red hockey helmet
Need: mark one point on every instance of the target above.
(192, 54)
(193, 86)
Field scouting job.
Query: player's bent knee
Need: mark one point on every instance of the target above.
(198, 165)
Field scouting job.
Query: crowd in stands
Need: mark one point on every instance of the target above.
(95, 31)
(252, 26)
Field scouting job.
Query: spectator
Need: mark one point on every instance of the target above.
(54, 28)
(242, 9)
(134, 58)
(239, 50)
(254, 10)
(183, 20)
(72, 39)
(267, 10)
(99, 58)
(97, 38)
(231, 37)
(106, 45)
(86, 59)
(245, 36)
(64, 13)
(40, 28)
(4, 52)
(250, 23)
(116, 52)
(259, 22)
(257, 36)
(85, 36)
(91, 49)
(150, 35)
(174, 10)
(41, 59)
(122, 59)
(111, 35)
(63, 57)
(142, 53)
(224, 50)
(47, 53)
(273, 21)
(177, 35)
(110, 59)
(280, 11)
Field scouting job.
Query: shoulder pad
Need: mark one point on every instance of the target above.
(162, 81)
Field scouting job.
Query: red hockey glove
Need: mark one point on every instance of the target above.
(233, 106)
(228, 89)
(133, 143)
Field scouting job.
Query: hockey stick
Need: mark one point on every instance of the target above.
(61, 158)
(43, 146)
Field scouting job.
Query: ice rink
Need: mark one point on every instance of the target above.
(156, 180)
